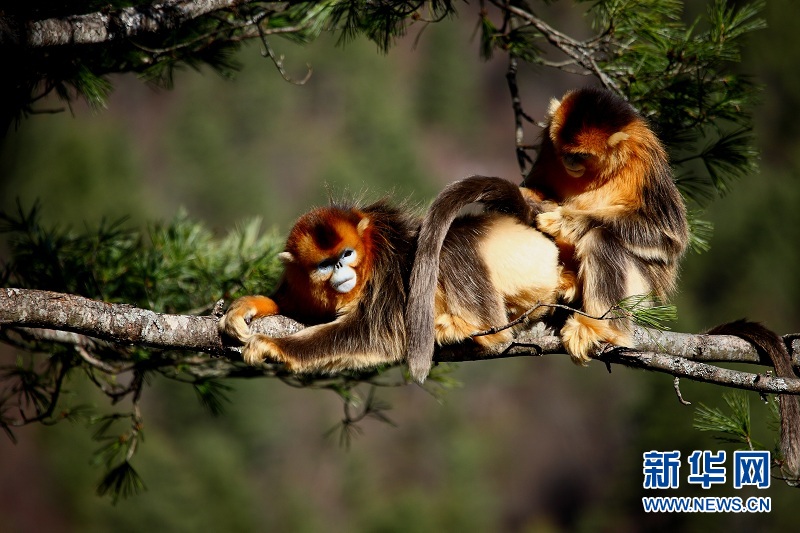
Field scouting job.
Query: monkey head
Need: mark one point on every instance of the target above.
(588, 130)
(327, 257)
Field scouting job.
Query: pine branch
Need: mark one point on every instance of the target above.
(678, 354)
(582, 53)
(103, 26)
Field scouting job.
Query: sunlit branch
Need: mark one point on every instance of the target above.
(678, 354)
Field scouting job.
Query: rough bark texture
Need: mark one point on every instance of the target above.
(104, 26)
(678, 354)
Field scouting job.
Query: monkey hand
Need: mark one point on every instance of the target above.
(568, 286)
(236, 322)
(550, 222)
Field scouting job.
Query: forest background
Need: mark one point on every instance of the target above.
(525, 444)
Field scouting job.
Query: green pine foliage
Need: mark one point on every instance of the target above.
(647, 311)
(735, 425)
(682, 75)
(174, 267)
(177, 267)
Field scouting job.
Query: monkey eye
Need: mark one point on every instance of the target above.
(575, 158)
(348, 256)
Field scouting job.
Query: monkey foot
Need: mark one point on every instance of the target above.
(260, 347)
(582, 336)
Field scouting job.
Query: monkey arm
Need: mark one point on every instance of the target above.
(643, 237)
(571, 223)
(345, 343)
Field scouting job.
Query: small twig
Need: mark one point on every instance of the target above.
(519, 319)
(519, 115)
(100, 365)
(278, 61)
(580, 52)
(523, 316)
(248, 32)
(676, 383)
(53, 111)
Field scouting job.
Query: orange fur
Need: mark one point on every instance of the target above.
(243, 311)
(343, 278)
(303, 293)
(320, 235)
(476, 268)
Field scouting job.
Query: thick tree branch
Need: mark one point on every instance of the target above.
(70, 319)
(94, 28)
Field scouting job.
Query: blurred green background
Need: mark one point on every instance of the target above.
(524, 445)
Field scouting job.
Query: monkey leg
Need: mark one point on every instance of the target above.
(236, 322)
(568, 286)
(460, 312)
(451, 328)
(604, 275)
(260, 347)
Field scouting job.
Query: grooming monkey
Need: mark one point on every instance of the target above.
(620, 222)
(347, 275)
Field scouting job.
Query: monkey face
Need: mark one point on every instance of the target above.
(575, 164)
(587, 129)
(338, 271)
(592, 152)
(327, 257)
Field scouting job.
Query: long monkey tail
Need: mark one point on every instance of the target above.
(770, 344)
(495, 194)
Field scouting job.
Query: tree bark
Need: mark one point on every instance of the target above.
(678, 354)
(102, 26)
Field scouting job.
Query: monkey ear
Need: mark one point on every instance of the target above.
(362, 225)
(555, 103)
(286, 257)
(617, 138)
